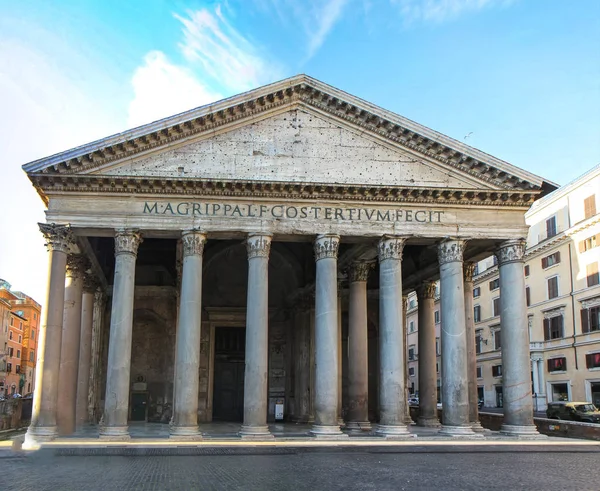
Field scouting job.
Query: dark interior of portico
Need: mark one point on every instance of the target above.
(224, 290)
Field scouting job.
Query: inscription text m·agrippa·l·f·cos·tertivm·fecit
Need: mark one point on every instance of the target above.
(283, 212)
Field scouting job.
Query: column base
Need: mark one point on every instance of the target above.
(477, 428)
(458, 431)
(188, 433)
(428, 422)
(254, 432)
(331, 432)
(39, 434)
(408, 421)
(518, 431)
(114, 433)
(394, 432)
(358, 426)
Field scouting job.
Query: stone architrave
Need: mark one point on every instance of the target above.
(90, 286)
(326, 338)
(392, 391)
(516, 374)
(59, 239)
(256, 372)
(113, 425)
(189, 323)
(468, 270)
(427, 356)
(70, 344)
(358, 362)
(455, 395)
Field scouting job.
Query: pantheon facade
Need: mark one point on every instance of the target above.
(249, 260)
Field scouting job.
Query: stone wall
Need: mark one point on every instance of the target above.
(10, 414)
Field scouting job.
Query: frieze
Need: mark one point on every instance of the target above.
(193, 243)
(326, 246)
(258, 245)
(390, 247)
(451, 251)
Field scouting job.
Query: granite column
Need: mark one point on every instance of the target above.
(427, 357)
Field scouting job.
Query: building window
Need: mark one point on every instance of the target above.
(478, 341)
(551, 227)
(411, 326)
(497, 371)
(495, 284)
(496, 306)
(476, 292)
(557, 364)
(20, 326)
(592, 360)
(20, 339)
(412, 304)
(551, 260)
(34, 316)
(527, 296)
(527, 270)
(436, 316)
(411, 371)
(590, 319)
(437, 368)
(437, 346)
(9, 367)
(479, 372)
(589, 206)
(12, 321)
(552, 287)
(33, 334)
(411, 352)
(31, 355)
(11, 352)
(18, 353)
(18, 369)
(560, 392)
(497, 340)
(592, 274)
(477, 313)
(553, 328)
(587, 244)
(10, 335)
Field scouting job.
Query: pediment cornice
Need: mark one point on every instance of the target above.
(297, 91)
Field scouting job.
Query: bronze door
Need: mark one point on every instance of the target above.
(228, 398)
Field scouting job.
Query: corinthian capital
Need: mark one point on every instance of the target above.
(327, 246)
(426, 290)
(468, 271)
(451, 251)
(76, 265)
(58, 237)
(193, 243)
(90, 283)
(127, 242)
(258, 245)
(511, 251)
(359, 271)
(390, 247)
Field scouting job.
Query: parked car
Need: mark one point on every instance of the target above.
(413, 401)
(480, 403)
(585, 412)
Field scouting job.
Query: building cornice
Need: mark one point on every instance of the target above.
(294, 92)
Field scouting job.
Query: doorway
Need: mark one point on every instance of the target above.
(139, 406)
(228, 391)
(499, 396)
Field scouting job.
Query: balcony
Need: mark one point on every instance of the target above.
(536, 346)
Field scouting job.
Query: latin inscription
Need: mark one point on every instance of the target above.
(289, 212)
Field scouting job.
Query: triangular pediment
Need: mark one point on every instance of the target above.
(299, 130)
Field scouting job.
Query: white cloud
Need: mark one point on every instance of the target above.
(442, 10)
(162, 89)
(325, 18)
(231, 60)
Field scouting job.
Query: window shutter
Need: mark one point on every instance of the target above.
(527, 270)
(588, 360)
(585, 325)
(590, 206)
(582, 246)
(557, 253)
(546, 329)
(544, 262)
(528, 296)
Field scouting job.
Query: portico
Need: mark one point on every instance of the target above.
(219, 237)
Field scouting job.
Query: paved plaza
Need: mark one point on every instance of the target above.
(381, 468)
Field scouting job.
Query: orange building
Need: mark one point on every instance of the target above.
(18, 341)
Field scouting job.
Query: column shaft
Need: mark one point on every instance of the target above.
(116, 403)
(392, 390)
(256, 375)
(43, 417)
(189, 322)
(326, 337)
(427, 357)
(85, 351)
(469, 269)
(455, 395)
(358, 361)
(94, 410)
(536, 376)
(516, 377)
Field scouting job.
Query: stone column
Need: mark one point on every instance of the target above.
(427, 356)
(43, 416)
(358, 360)
(96, 363)
(455, 395)
(469, 269)
(536, 376)
(116, 403)
(326, 338)
(69, 351)
(85, 350)
(407, 418)
(392, 391)
(516, 378)
(542, 379)
(339, 348)
(256, 375)
(187, 361)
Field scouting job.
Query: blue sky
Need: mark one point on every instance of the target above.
(521, 78)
